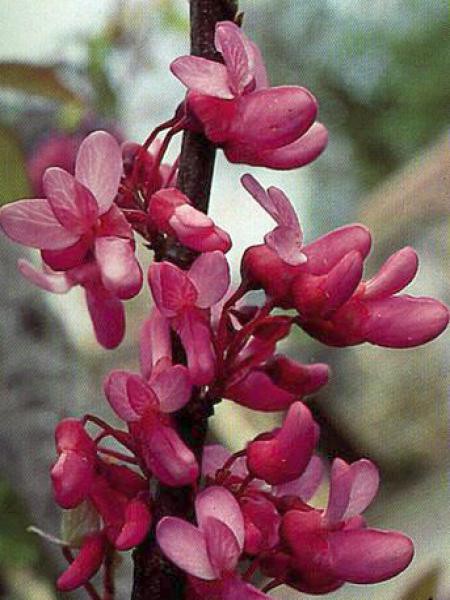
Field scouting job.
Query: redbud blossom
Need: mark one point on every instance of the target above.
(283, 455)
(287, 238)
(82, 235)
(86, 564)
(236, 109)
(333, 546)
(210, 551)
(145, 403)
(74, 471)
(184, 297)
(373, 313)
(171, 212)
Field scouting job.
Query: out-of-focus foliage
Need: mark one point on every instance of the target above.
(425, 588)
(17, 547)
(378, 70)
(13, 178)
(39, 80)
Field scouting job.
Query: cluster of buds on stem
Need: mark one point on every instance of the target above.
(252, 509)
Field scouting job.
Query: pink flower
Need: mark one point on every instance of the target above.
(74, 471)
(235, 107)
(369, 311)
(333, 546)
(118, 494)
(287, 238)
(258, 379)
(212, 550)
(82, 234)
(86, 564)
(146, 176)
(282, 456)
(171, 212)
(145, 403)
(57, 150)
(334, 258)
(185, 297)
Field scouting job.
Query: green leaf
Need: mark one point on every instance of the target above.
(36, 80)
(425, 587)
(14, 182)
(172, 18)
(78, 522)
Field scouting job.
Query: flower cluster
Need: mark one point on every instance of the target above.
(203, 342)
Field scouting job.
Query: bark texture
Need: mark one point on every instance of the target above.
(155, 578)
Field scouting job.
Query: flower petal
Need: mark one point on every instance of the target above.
(229, 41)
(86, 564)
(236, 589)
(272, 118)
(369, 555)
(140, 395)
(137, 520)
(257, 391)
(339, 492)
(219, 503)
(404, 321)
(306, 485)
(287, 244)
(33, 223)
(195, 333)
(185, 545)
(99, 167)
(213, 458)
(58, 283)
(72, 476)
(154, 342)
(273, 459)
(171, 287)
(173, 388)
(394, 275)
(364, 486)
(204, 76)
(115, 388)
(73, 204)
(108, 316)
(172, 462)
(120, 271)
(222, 545)
(274, 201)
(325, 252)
(298, 153)
(210, 274)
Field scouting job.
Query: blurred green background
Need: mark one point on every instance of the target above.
(380, 72)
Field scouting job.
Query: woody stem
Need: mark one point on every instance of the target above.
(155, 578)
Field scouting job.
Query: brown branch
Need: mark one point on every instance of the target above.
(155, 578)
(197, 153)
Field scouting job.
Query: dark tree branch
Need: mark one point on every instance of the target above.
(155, 578)
(197, 153)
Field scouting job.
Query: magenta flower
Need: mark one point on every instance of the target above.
(261, 380)
(86, 564)
(287, 238)
(119, 495)
(145, 403)
(171, 212)
(212, 550)
(334, 257)
(369, 311)
(334, 546)
(185, 297)
(82, 235)
(235, 107)
(74, 471)
(283, 455)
